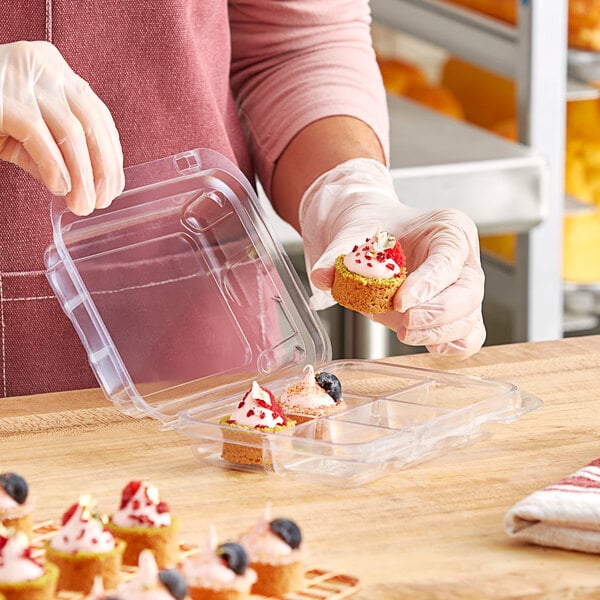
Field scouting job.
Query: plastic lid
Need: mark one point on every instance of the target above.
(179, 289)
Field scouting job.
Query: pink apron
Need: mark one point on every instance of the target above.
(162, 68)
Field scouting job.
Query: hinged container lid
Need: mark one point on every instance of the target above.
(180, 289)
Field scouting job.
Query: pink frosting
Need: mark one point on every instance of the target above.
(258, 409)
(141, 507)
(306, 393)
(368, 259)
(264, 546)
(145, 585)
(16, 562)
(82, 530)
(207, 569)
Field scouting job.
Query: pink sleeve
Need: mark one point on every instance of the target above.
(294, 62)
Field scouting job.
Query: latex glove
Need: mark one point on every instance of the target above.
(54, 127)
(439, 304)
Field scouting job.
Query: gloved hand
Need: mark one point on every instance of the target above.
(54, 127)
(439, 304)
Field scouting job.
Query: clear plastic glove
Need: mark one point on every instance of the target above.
(439, 304)
(54, 127)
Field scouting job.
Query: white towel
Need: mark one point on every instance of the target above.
(562, 515)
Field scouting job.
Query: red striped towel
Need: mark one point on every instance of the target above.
(562, 515)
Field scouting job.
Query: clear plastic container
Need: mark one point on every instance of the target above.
(182, 297)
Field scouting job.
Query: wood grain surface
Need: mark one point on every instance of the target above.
(431, 531)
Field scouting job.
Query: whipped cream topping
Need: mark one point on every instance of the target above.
(83, 530)
(374, 258)
(141, 507)
(145, 585)
(306, 393)
(207, 569)
(258, 409)
(10, 508)
(264, 546)
(16, 562)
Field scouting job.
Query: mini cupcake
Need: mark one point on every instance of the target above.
(151, 584)
(144, 521)
(367, 278)
(275, 553)
(23, 577)
(313, 396)
(83, 548)
(258, 413)
(219, 572)
(16, 508)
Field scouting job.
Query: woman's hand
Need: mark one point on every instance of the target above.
(54, 127)
(439, 304)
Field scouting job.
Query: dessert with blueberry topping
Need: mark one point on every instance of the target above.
(83, 548)
(367, 278)
(23, 577)
(219, 571)
(150, 583)
(256, 414)
(315, 395)
(275, 552)
(16, 507)
(144, 521)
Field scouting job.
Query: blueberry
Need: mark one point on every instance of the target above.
(235, 556)
(174, 582)
(15, 486)
(331, 384)
(288, 531)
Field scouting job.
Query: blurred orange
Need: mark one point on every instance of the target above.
(398, 75)
(505, 10)
(486, 98)
(437, 98)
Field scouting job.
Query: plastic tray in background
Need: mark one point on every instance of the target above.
(182, 296)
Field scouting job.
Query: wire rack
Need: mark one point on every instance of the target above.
(321, 584)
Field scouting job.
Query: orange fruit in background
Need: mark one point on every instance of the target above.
(486, 98)
(437, 98)
(398, 75)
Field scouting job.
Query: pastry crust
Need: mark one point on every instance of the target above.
(78, 571)
(246, 446)
(42, 588)
(276, 580)
(203, 593)
(22, 523)
(162, 541)
(362, 294)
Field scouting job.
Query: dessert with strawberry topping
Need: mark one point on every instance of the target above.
(83, 548)
(315, 395)
(144, 521)
(16, 507)
(256, 414)
(218, 571)
(367, 278)
(275, 552)
(23, 577)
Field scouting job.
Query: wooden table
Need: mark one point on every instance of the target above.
(432, 531)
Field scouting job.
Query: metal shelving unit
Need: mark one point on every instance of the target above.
(534, 54)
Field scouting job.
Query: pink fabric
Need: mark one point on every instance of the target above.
(162, 68)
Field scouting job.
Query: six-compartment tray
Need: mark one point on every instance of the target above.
(395, 417)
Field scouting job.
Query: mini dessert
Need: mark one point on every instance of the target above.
(16, 508)
(313, 396)
(257, 413)
(144, 521)
(23, 577)
(219, 572)
(367, 278)
(151, 584)
(84, 548)
(274, 550)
